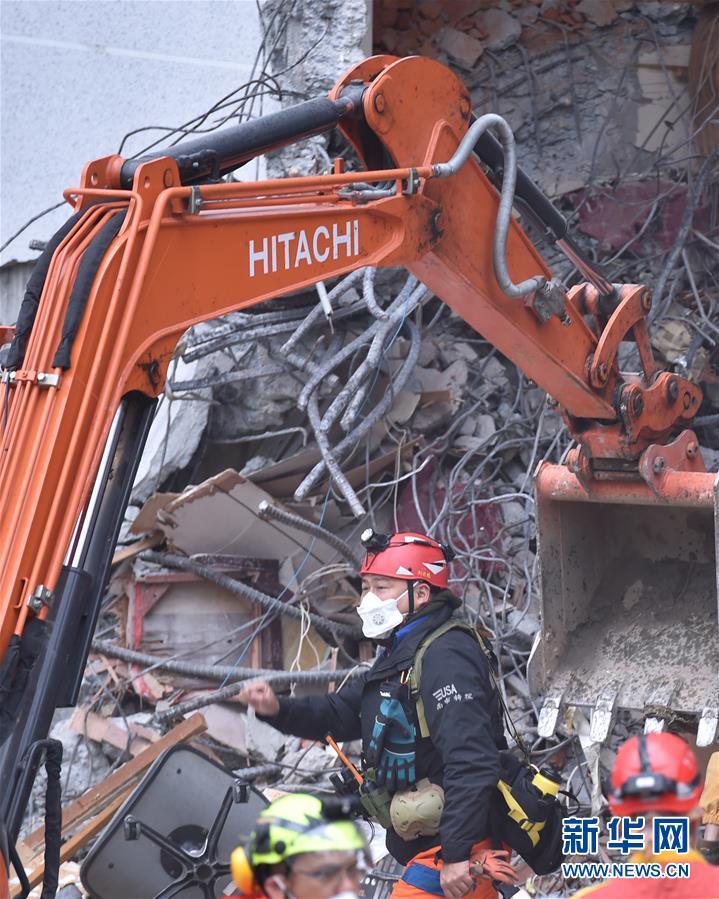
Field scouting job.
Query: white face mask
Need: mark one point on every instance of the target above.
(379, 616)
(282, 884)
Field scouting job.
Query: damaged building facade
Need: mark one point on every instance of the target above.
(286, 429)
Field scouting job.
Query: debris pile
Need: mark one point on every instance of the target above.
(367, 402)
(391, 412)
(252, 572)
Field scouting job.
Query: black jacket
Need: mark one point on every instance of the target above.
(464, 720)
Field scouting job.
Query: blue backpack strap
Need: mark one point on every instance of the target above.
(423, 878)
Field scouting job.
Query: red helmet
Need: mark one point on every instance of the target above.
(406, 556)
(654, 772)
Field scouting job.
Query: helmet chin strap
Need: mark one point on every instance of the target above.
(410, 596)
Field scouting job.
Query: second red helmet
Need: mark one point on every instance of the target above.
(654, 772)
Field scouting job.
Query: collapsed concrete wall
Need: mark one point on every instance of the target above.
(312, 45)
(595, 93)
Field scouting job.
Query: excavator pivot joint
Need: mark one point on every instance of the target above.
(42, 596)
(549, 300)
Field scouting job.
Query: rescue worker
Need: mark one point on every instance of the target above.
(405, 600)
(299, 850)
(710, 805)
(658, 774)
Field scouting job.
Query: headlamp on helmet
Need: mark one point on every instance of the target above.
(407, 556)
(374, 542)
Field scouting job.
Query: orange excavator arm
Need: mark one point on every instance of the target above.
(155, 246)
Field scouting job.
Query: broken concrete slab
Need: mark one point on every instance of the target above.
(598, 12)
(221, 516)
(501, 29)
(460, 47)
(177, 427)
(226, 723)
(264, 742)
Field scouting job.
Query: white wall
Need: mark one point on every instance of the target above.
(77, 75)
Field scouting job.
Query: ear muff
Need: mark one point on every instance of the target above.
(242, 873)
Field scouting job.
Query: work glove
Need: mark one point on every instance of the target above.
(710, 795)
(494, 865)
(391, 750)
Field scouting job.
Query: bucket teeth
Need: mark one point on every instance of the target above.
(548, 715)
(658, 707)
(708, 723)
(603, 715)
(654, 725)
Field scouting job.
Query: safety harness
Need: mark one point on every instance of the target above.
(529, 795)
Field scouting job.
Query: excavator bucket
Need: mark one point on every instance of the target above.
(628, 600)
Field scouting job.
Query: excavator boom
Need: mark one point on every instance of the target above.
(158, 244)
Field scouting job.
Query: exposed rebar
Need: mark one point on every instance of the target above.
(368, 422)
(268, 510)
(268, 603)
(283, 678)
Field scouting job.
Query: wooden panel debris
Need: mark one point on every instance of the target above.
(88, 804)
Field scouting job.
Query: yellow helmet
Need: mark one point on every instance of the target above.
(291, 826)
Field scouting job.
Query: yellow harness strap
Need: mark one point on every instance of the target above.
(413, 677)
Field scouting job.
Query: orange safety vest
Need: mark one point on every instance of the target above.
(703, 882)
(430, 865)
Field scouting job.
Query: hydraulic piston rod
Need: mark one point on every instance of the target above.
(212, 155)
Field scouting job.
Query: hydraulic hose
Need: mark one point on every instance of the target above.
(506, 197)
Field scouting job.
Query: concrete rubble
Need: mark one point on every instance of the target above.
(282, 434)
